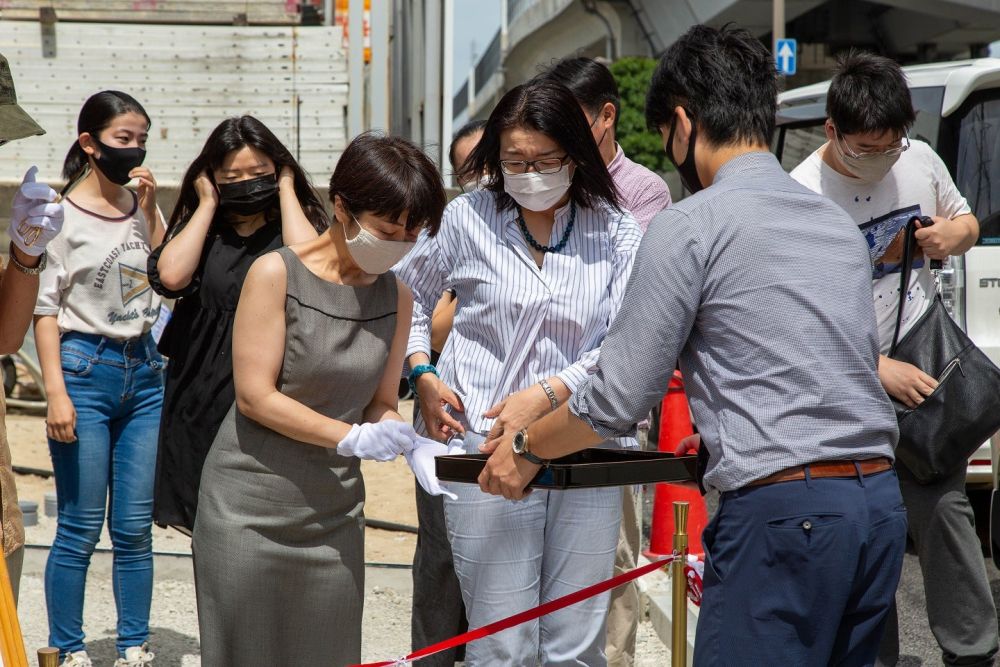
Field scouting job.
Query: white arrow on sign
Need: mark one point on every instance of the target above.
(785, 55)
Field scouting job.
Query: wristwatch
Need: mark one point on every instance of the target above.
(521, 448)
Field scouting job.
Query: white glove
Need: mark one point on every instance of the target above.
(35, 217)
(421, 460)
(382, 441)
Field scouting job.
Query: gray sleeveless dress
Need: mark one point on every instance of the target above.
(279, 535)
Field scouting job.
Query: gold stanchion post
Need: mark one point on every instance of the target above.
(11, 642)
(48, 657)
(678, 650)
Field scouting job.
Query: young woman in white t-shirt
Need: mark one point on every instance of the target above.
(103, 375)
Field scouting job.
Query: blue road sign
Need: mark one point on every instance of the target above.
(785, 56)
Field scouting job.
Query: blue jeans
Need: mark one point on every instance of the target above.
(801, 572)
(117, 390)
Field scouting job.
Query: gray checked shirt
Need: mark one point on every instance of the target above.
(761, 288)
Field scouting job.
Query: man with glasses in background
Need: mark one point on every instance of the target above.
(881, 178)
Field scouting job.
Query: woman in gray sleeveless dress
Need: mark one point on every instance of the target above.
(279, 535)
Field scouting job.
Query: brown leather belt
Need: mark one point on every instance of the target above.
(822, 469)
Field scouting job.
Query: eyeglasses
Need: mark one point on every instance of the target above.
(549, 165)
(892, 151)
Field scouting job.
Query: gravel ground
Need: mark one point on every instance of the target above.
(174, 623)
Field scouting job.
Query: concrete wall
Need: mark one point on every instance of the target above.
(189, 78)
(271, 12)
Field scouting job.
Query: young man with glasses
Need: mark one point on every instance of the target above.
(881, 178)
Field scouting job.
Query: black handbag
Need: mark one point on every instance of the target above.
(937, 437)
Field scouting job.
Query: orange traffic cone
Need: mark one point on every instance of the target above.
(675, 425)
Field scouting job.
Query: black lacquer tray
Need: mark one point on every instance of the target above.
(584, 469)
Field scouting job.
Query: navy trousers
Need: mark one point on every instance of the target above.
(802, 572)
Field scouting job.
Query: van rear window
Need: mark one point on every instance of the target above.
(977, 167)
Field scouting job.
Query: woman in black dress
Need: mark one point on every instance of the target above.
(244, 196)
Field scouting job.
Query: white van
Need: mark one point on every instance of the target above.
(958, 114)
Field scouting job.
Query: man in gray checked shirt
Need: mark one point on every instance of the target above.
(760, 287)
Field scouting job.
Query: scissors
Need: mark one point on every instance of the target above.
(29, 232)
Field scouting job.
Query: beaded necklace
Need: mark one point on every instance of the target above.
(544, 248)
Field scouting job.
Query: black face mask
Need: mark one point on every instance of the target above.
(116, 163)
(248, 197)
(687, 170)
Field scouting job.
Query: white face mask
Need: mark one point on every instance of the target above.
(372, 254)
(537, 192)
(472, 186)
(869, 170)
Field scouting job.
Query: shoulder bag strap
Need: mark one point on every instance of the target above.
(904, 276)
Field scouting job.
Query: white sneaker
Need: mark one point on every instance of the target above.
(77, 659)
(135, 656)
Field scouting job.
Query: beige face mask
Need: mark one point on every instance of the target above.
(870, 169)
(372, 254)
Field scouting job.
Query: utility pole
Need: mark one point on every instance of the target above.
(447, 83)
(778, 22)
(355, 69)
(503, 29)
(379, 83)
(431, 138)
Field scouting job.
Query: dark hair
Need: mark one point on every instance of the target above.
(95, 116)
(550, 108)
(466, 130)
(724, 78)
(868, 93)
(231, 135)
(591, 83)
(387, 176)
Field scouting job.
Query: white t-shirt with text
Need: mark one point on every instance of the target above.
(918, 184)
(96, 280)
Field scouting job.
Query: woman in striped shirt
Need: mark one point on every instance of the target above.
(539, 260)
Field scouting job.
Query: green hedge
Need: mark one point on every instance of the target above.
(633, 75)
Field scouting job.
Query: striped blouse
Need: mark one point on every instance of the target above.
(516, 323)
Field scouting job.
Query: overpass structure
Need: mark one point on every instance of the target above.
(533, 33)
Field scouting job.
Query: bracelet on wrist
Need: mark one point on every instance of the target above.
(28, 270)
(550, 392)
(417, 372)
